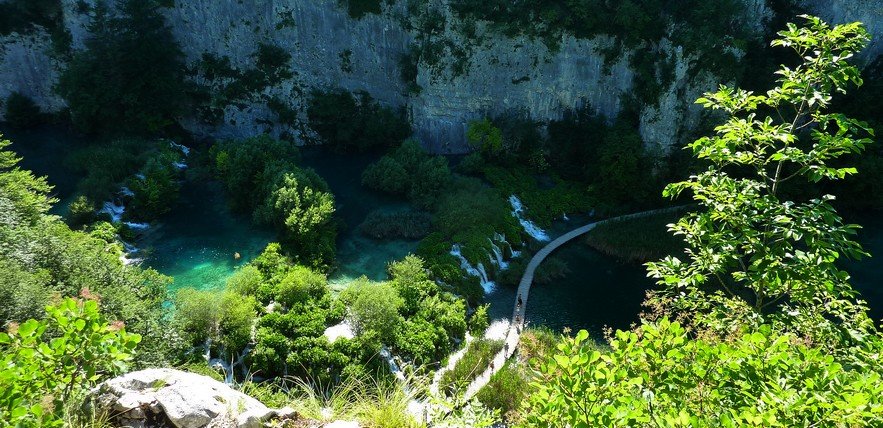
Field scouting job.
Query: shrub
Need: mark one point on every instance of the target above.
(374, 307)
(44, 363)
(299, 286)
(81, 212)
(156, 191)
(223, 318)
(22, 111)
(750, 377)
(479, 321)
(506, 390)
(411, 171)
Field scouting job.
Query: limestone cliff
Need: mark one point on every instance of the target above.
(486, 75)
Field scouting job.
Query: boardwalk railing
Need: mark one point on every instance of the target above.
(517, 324)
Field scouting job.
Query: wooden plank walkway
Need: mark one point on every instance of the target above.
(517, 323)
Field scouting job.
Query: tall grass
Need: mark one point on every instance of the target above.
(474, 362)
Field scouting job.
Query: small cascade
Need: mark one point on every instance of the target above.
(114, 209)
(184, 149)
(137, 227)
(533, 230)
(393, 366)
(126, 192)
(497, 256)
(476, 271)
(180, 165)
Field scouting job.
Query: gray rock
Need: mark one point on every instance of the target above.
(166, 397)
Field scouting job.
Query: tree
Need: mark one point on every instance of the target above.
(374, 307)
(753, 256)
(131, 74)
(221, 318)
(773, 335)
(484, 136)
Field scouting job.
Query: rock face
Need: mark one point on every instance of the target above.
(488, 75)
(172, 398)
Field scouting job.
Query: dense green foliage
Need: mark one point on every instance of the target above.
(433, 318)
(660, 376)
(223, 319)
(40, 257)
(409, 170)
(131, 74)
(21, 111)
(261, 176)
(348, 122)
(45, 364)
(773, 333)
(637, 240)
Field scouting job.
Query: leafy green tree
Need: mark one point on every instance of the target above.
(223, 318)
(45, 363)
(409, 170)
(131, 74)
(754, 257)
(479, 321)
(301, 285)
(484, 136)
(81, 211)
(155, 193)
(374, 307)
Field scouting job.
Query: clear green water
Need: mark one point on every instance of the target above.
(196, 242)
(357, 255)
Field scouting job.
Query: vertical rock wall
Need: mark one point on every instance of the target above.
(329, 49)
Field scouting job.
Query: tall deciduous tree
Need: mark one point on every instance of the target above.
(753, 256)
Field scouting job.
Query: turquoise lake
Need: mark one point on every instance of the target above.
(197, 241)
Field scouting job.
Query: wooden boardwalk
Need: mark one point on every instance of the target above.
(518, 312)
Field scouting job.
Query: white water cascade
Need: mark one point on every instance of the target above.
(114, 209)
(497, 256)
(476, 271)
(533, 230)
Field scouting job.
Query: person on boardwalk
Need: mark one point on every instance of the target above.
(519, 300)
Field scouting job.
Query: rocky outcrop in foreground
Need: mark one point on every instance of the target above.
(172, 398)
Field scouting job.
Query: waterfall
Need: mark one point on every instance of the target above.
(497, 257)
(499, 237)
(180, 165)
(114, 209)
(184, 149)
(476, 271)
(126, 192)
(393, 367)
(137, 227)
(533, 230)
